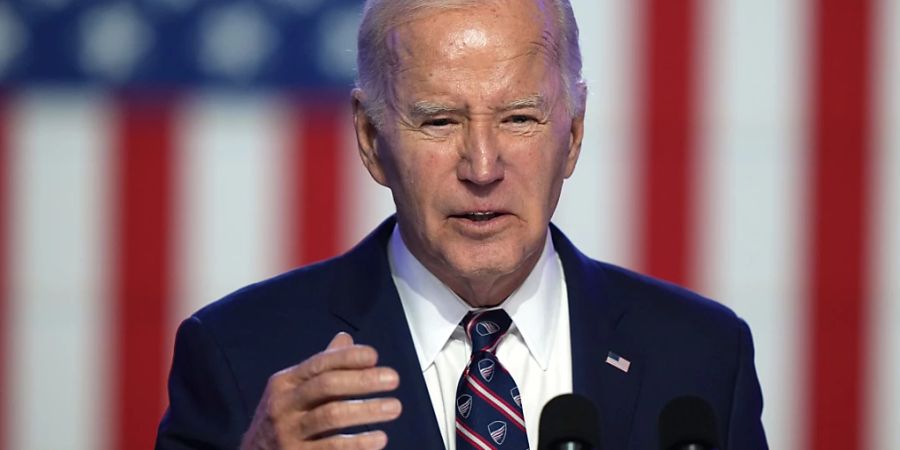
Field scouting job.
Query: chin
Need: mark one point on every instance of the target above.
(485, 261)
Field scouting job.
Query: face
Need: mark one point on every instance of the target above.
(476, 142)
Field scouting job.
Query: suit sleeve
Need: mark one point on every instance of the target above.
(745, 430)
(206, 410)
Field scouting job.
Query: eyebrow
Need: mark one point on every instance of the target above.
(426, 108)
(535, 101)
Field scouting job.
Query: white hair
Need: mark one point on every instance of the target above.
(374, 57)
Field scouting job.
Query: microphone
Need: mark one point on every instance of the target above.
(569, 422)
(688, 423)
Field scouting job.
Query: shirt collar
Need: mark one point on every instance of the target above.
(433, 310)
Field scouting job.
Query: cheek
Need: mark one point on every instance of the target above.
(540, 171)
(542, 162)
(420, 169)
(422, 174)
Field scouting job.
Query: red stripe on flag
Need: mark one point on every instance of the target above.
(318, 180)
(841, 149)
(142, 282)
(4, 258)
(668, 139)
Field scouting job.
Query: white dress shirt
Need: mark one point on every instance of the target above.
(536, 351)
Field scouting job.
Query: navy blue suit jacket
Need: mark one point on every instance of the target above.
(678, 343)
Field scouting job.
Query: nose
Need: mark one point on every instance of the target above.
(481, 161)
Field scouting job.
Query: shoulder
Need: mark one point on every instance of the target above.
(302, 298)
(650, 296)
(301, 287)
(671, 322)
(650, 308)
(276, 307)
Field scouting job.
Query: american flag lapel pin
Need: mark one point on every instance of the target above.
(618, 362)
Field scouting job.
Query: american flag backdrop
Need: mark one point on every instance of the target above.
(158, 154)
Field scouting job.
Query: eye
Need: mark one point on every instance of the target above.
(438, 123)
(521, 119)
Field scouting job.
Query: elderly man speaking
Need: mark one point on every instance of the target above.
(459, 318)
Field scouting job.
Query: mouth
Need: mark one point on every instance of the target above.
(479, 216)
(481, 224)
(482, 220)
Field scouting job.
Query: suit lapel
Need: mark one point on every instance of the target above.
(370, 305)
(595, 318)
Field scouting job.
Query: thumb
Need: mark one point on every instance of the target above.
(340, 340)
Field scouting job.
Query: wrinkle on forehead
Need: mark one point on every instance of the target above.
(413, 45)
(404, 59)
(538, 19)
(549, 44)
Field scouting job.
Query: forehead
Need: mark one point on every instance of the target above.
(505, 42)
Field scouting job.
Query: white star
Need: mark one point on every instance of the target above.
(235, 41)
(13, 37)
(114, 38)
(337, 42)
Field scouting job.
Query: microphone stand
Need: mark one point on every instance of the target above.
(572, 446)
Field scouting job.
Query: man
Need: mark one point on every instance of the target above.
(454, 322)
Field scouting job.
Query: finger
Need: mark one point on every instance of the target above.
(340, 340)
(346, 358)
(338, 384)
(334, 416)
(371, 440)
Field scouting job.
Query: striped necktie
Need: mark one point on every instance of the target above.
(488, 406)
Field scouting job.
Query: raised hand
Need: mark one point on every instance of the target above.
(304, 406)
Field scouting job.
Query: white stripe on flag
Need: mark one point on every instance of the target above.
(59, 157)
(884, 384)
(749, 229)
(597, 209)
(230, 185)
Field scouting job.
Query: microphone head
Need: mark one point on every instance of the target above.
(688, 420)
(569, 418)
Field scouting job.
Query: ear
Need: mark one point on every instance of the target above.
(366, 137)
(576, 133)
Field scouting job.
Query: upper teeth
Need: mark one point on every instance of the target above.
(481, 215)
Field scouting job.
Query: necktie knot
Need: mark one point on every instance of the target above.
(486, 328)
